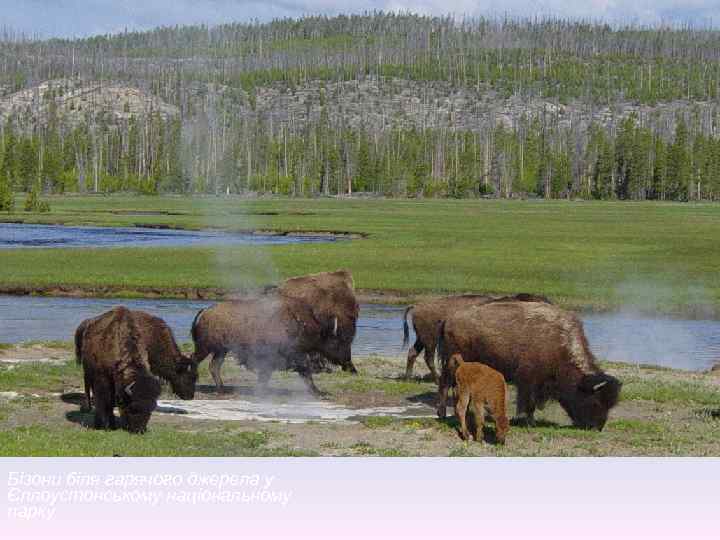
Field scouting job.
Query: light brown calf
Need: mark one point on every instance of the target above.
(485, 388)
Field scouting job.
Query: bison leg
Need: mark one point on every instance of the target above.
(104, 417)
(526, 403)
(216, 363)
(306, 375)
(461, 406)
(430, 361)
(87, 406)
(479, 414)
(502, 425)
(350, 367)
(442, 394)
(413, 353)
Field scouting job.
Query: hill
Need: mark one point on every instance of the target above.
(399, 105)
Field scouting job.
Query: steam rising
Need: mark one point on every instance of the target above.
(635, 335)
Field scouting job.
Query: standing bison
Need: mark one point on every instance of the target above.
(157, 344)
(427, 317)
(116, 370)
(266, 333)
(331, 297)
(541, 349)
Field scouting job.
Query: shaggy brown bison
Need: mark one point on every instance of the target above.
(331, 297)
(541, 349)
(266, 333)
(427, 316)
(116, 370)
(483, 388)
(158, 346)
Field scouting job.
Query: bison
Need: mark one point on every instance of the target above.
(331, 297)
(265, 333)
(540, 348)
(484, 388)
(116, 370)
(158, 345)
(427, 316)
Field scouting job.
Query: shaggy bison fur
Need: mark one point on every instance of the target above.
(266, 333)
(158, 346)
(331, 297)
(540, 348)
(427, 317)
(116, 370)
(483, 388)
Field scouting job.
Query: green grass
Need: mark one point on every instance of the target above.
(39, 440)
(591, 254)
(660, 391)
(374, 422)
(30, 376)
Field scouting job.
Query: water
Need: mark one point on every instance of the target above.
(677, 343)
(13, 235)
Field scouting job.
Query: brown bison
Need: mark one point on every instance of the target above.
(158, 346)
(427, 316)
(331, 297)
(540, 348)
(483, 388)
(116, 370)
(266, 333)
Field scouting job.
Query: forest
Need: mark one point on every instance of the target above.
(379, 104)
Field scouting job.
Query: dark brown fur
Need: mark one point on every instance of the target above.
(116, 370)
(483, 388)
(158, 345)
(266, 333)
(331, 297)
(427, 317)
(541, 349)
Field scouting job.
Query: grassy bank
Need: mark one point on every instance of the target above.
(661, 413)
(649, 256)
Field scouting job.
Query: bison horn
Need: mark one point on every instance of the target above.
(335, 327)
(128, 388)
(598, 386)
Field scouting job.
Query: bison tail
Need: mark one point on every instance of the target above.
(441, 345)
(79, 333)
(406, 329)
(193, 328)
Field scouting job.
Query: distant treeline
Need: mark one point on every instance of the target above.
(152, 155)
(220, 143)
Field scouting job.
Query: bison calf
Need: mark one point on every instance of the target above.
(483, 388)
(116, 371)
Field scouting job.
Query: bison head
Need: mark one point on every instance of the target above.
(186, 374)
(138, 403)
(592, 400)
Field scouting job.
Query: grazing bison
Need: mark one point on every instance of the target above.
(484, 388)
(266, 333)
(158, 346)
(331, 297)
(540, 348)
(116, 370)
(427, 316)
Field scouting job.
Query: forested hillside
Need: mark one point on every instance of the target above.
(397, 105)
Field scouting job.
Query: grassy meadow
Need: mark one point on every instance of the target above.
(599, 255)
